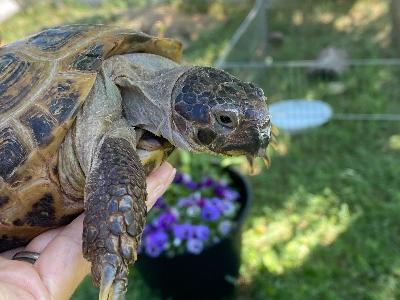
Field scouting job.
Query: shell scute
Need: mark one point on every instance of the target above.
(41, 124)
(12, 152)
(6, 61)
(65, 96)
(140, 42)
(42, 213)
(54, 39)
(90, 59)
(12, 72)
(17, 77)
(10, 242)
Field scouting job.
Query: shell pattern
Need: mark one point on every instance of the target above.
(44, 80)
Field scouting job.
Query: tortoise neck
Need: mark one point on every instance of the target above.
(146, 82)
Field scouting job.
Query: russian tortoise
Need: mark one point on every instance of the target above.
(86, 112)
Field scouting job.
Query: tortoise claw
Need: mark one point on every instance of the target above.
(107, 279)
(112, 285)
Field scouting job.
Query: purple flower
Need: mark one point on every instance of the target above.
(186, 178)
(147, 229)
(210, 212)
(227, 208)
(217, 202)
(178, 177)
(201, 202)
(160, 203)
(153, 250)
(165, 220)
(207, 182)
(219, 190)
(225, 227)
(201, 232)
(191, 185)
(182, 231)
(186, 202)
(226, 193)
(194, 246)
(230, 195)
(155, 243)
(175, 223)
(193, 211)
(158, 237)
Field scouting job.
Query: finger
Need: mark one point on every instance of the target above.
(18, 278)
(39, 243)
(14, 291)
(10, 253)
(158, 182)
(61, 264)
(36, 245)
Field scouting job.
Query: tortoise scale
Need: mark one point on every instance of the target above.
(86, 112)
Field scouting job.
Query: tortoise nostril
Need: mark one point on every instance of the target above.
(225, 120)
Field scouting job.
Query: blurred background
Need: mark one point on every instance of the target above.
(325, 220)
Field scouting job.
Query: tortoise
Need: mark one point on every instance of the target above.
(86, 112)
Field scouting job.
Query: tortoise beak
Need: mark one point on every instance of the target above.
(264, 139)
(265, 135)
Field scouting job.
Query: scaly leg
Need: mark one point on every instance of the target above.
(115, 212)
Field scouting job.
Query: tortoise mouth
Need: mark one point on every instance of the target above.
(151, 142)
(153, 151)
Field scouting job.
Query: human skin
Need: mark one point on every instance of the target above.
(61, 266)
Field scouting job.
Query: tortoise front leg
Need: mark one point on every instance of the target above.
(115, 211)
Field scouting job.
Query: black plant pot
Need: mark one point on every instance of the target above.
(208, 275)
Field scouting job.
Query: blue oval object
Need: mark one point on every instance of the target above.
(298, 115)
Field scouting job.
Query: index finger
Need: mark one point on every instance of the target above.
(61, 265)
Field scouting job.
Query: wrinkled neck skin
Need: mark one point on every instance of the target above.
(146, 82)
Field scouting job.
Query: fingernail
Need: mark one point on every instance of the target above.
(158, 191)
(165, 165)
(172, 176)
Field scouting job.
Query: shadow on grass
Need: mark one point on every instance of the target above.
(328, 213)
(363, 263)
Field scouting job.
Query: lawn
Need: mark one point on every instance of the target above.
(325, 220)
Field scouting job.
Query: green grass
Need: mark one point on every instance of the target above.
(325, 220)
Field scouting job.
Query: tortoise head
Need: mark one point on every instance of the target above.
(216, 112)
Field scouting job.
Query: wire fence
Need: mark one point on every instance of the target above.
(368, 88)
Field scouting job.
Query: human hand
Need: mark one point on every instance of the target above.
(61, 266)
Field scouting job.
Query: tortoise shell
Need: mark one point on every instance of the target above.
(44, 80)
